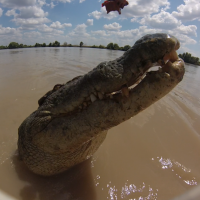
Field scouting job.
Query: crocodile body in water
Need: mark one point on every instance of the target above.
(72, 119)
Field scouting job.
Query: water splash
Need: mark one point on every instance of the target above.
(142, 192)
(180, 170)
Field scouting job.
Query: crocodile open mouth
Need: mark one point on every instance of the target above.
(162, 67)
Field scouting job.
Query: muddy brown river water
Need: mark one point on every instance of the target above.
(154, 155)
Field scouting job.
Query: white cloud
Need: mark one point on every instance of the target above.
(31, 12)
(184, 39)
(89, 22)
(80, 28)
(134, 19)
(58, 25)
(52, 5)
(30, 23)
(46, 29)
(50, 35)
(41, 2)
(80, 31)
(103, 14)
(8, 31)
(190, 30)
(188, 12)
(32, 34)
(162, 20)
(136, 8)
(112, 27)
(81, 1)
(11, 12)
(17, 3)
(96, 14)
(130, 36)
(134, 34)
(140, 8)
(64, 1)
(122, 37)
(29, 17)
(1, 12)
(100, 33)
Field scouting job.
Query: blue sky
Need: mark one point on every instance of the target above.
(73, 21)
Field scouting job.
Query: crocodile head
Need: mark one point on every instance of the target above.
(72, 119)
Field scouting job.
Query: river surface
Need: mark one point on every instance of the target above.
(154, 155)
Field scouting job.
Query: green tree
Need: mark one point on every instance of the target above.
(38, 45)
(81, 44)
(13, 45)
(110, 46)
(101, 46)
(187, 57)
(3, 47)
(56, 44)
(44, 45)
(126, 47)
(50, 44)
(115, 46)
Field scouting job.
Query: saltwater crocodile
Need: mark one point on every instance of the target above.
(72, 119)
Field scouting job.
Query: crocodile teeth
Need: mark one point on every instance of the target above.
(93, 98)
(125, 91)
(100, 95)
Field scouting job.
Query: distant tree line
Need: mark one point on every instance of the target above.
(188, 58)
(14, 45)
(54, 44)
(111, 46)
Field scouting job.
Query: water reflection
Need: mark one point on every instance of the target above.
(112, 53)
(77, 183)
(15, 51)
(64, 50)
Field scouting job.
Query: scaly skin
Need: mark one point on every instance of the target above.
(72, 119)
